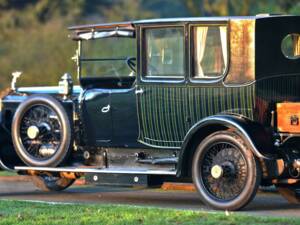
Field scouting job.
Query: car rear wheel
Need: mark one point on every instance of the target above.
(49, 183)
(41, 131)
(225, 172)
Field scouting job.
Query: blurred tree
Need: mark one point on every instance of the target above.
(19, 4)
(241, 8)
(167, 8)
(126, 10)
(48, 9)
(33, 33)
(227, 7)
(196, 7)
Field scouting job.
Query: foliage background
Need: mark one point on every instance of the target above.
(34, 38)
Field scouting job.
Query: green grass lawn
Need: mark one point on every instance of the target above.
(7, 173)
(18, 212)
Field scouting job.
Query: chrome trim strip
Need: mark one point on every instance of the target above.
(205, 19)
(92, 170)
(105, 34)
(187, 19)
(46, 89)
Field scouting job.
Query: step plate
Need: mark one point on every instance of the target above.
(123, 180)
(95, 170)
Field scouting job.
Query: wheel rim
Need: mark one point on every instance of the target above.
(223, 171)
(40, 132)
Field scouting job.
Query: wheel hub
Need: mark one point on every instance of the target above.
(216, 171)
(227, 169)
(224, 171)
(33, 132)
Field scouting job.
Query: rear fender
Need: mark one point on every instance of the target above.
(258, 138)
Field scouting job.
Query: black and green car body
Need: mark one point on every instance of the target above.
(211, 100)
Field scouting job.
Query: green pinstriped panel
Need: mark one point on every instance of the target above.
(205, 102)
(163, 111)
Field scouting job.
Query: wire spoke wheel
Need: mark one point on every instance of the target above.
(40, 131)
(225, 172)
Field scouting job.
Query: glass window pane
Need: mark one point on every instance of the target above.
(107, 57)
(106, 68)
(210, 51)
(164, 52)
(113, 47)
(290, 46)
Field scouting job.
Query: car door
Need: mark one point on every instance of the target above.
(124, 117)
(96, 114)
(162, 92)
(107, 76)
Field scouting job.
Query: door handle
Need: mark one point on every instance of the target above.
(105, 109)
(139, 91)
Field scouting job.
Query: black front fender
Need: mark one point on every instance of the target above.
(7, 153)
(257, 136)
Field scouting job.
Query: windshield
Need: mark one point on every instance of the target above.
(108, 57)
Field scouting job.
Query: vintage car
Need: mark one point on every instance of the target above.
(211, 100)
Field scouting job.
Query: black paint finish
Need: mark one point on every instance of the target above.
(97, 124)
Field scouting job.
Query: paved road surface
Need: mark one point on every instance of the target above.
(270, 204)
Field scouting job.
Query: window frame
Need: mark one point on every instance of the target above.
(191, 52)
(166, 78)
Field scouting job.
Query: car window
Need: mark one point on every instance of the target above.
(209, 49)
(108, 57)
(290, 46)
(164, 52)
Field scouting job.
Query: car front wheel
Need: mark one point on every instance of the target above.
(49, 183)
(41, 131)
(225, 171)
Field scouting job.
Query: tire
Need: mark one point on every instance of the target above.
(225, 171)
(41, 132)
(48, 183)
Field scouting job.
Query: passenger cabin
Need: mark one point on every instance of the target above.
(187, 69)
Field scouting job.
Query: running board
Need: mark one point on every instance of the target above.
(94, 170)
